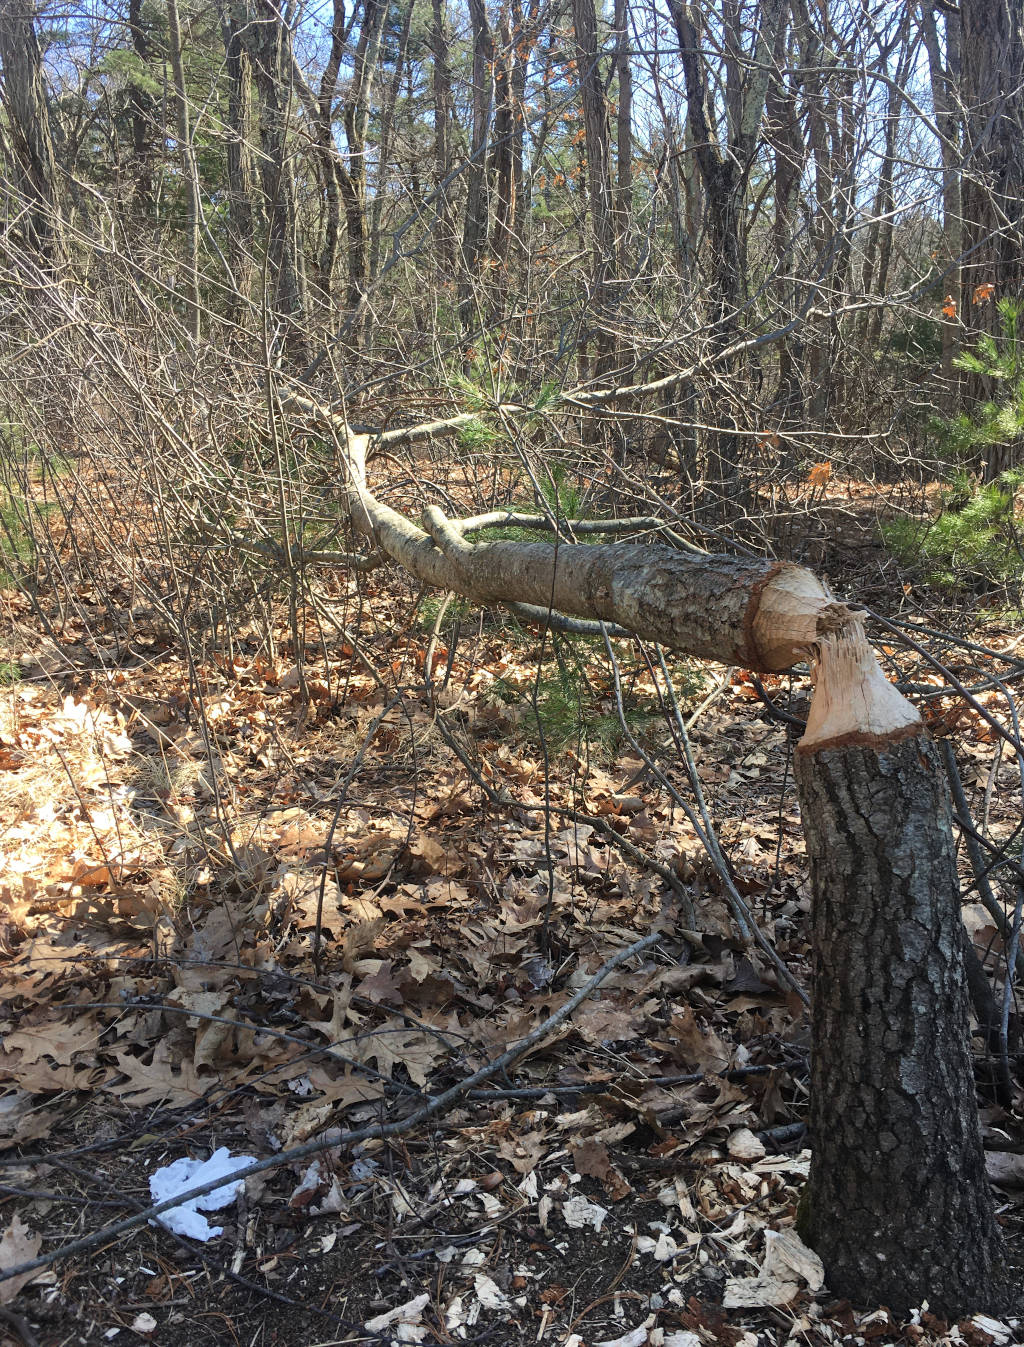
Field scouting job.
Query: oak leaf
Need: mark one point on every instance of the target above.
(18, 1245)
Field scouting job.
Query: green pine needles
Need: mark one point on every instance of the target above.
(977, 539)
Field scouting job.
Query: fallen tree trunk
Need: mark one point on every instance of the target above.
(759, 614)
(897, 1203)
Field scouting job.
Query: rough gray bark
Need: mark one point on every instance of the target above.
(190, 171)
(356, 117)
(599, 176)
(328, 151)
(789, 152)
(442, 90)
(623, 131)
(502, 158)
(388, 117)
(241, 177)
(32, 170)
(474, 232)
(269, 45)
(944, 74)
(141, 104)
(525, 31)
(724, 170)
(897, 1204)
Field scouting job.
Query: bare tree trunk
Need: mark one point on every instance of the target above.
(141, 114)
(268, 42)
(878, 250)
(239, 165)
(189, 170)
(599, 178)
(442, 90)
(724, 170)
(944, 74)
(502, 168)
(327, 152)
(992, 92)
(525, 31)
(388, 113)
(474, 233)
(623, 132)
(32, 171)
(897, 1203)
(356, 117)
(789, 153)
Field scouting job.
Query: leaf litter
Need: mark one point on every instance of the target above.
(213, 944)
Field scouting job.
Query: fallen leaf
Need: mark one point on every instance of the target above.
(18, 1245)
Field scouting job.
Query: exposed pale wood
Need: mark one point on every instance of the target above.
(754, 613)
(853, 699)
(795, 612)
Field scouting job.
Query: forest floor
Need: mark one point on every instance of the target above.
(243, 902)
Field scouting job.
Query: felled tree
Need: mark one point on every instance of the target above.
(897, 1202)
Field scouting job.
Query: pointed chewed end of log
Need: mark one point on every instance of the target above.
(854, 702)
(794, 611)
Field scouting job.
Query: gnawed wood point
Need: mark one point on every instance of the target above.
(853, 701)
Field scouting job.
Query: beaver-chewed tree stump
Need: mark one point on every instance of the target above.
(897, 1204)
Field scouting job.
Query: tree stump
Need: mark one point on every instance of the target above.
(897, 1204)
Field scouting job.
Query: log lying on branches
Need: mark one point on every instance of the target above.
(759, 614)
(897, 1204)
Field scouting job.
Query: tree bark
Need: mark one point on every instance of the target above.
(502, 157)
(190, 171)
(758, 613)
(724, 171)
(441, 83)
(328, 151)
(269, 45)
(897, 1203)
(525, 31)
(992, 93)
(32, 171)
(474, 232)
(241, 177)
(388, 115)
(356, 117)
(789, 153)
(599, 178)
(623, 132)
(141, 104)
(944, 75)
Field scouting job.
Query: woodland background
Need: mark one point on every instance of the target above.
(291, 842)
